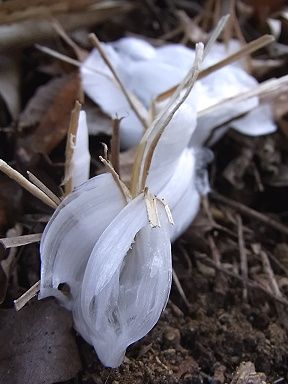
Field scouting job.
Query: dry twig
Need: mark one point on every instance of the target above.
(27, 296)
(26, 184)
(243, 255)
(17, 241)
(250, 212)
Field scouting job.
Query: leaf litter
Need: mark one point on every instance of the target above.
(216, 303)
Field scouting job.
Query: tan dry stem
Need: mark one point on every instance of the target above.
(70, 143)
(43, 188)
(26, 184)
(27, 296)
(18, 241)
(124, 190)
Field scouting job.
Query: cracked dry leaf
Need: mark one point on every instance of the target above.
(39, 345)
(50, 110)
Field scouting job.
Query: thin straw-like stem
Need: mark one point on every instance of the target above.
(43, 188)
(27, 296)
(115, 145)
(167, 116)
(18, 241)
(26, 184)
(70, 143)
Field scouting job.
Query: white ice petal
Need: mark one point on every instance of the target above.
(80, 162)
(99, 84)
(72, 232)
(134, 48)
(257, 122)
(127, 281)
(176, 55)
(174, 140)
(147, 79)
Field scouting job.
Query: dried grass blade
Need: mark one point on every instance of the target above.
(43, 188)
(125, 191)
(17, 241)
(244, 51)
(27, 296)
(70, 143)
(26, 184)
(115, 145)
(176, 101)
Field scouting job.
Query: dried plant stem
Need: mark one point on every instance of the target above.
(80, 53)
(250, 213)
(70, 143)
(250, 283)
(164, 119)
(43, 188)
(27, 296)
(151, 208)
(180, 289)
(17, 241)
(124, 190)
(26, 184)
(270, 274)
(97, 45)
(69, 60)
(215, 251)
(216, 33)
(243, 256)
(115, 145)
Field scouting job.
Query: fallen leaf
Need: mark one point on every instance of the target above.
(50, 108)
(39, 345)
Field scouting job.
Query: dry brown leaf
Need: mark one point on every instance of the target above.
(51, 107)
(39, 345)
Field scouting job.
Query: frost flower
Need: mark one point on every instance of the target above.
(112, 246)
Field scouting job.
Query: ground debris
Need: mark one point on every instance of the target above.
(39, 345)
(246, 374)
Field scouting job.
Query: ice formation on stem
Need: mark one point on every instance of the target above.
(108, 245)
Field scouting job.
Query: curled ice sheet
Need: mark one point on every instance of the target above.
(71, 234)
(130, 256)
(257, 122)
(147, 71)
(174, 140)
(80, 162)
